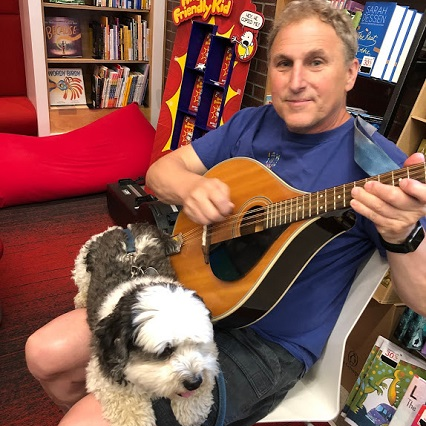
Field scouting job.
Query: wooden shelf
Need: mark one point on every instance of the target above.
(414, 130)
(65, 119)
(51, 120)
(96, 8)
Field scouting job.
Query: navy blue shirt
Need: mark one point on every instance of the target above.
(303, 320)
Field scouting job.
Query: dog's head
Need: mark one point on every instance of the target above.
(158, 337)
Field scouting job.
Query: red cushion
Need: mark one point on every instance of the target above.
(80, 162)
(17, 115)
(12, 70)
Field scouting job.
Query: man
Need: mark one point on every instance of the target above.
(307, 138)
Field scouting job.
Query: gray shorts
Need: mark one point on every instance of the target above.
(256, 376)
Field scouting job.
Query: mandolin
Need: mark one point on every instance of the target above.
(243, 266)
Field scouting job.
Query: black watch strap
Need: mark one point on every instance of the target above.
(409, 245)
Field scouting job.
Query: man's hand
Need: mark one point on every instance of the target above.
(208, 201)
(394, 209)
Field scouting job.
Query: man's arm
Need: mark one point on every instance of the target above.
(395, 212)
(177, 178)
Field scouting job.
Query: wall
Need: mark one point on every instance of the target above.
(256, 81)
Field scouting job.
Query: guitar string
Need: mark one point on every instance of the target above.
(258, 215)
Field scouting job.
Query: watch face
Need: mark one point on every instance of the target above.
(416, 238)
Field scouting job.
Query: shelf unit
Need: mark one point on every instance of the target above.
(62, 119)
(414, 130)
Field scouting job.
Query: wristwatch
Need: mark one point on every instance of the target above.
(409, 245)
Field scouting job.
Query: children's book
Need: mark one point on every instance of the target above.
(381, 388)
(63, 37)
(371, 33)
(66, 86)
(413, 399)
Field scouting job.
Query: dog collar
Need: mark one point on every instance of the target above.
(130, 241)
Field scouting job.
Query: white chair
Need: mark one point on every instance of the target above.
(317, 396)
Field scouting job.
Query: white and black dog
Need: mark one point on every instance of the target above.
(151, 337)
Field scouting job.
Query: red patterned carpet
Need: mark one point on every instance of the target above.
(40, 244)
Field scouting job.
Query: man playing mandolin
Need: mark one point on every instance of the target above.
(305, 144)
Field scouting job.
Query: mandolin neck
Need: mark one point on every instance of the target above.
(332, 199)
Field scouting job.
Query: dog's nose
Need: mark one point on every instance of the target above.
(193, 383)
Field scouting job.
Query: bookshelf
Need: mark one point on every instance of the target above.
(63, 119)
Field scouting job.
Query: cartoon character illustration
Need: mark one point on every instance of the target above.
(381, 415)
(71, 85)
(246, 46)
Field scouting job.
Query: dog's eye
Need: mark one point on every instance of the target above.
(167, 352)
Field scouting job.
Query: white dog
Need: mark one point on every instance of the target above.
(152, 338)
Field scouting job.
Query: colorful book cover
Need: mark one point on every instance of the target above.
(372, 29)
(383, 386)
(413, 399)
(66, 86)
(226, 64)
(389, 41)
(354, 6)
(187, 131)
(362, 374)
(196, 94)
(420, 419)
(63, 37)
(215, 109)
(204, 53)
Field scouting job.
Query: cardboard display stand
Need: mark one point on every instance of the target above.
(215, 42)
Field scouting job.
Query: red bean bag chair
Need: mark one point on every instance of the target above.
(80, 162)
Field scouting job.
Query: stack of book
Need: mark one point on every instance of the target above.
(118, 86)
(116, 38)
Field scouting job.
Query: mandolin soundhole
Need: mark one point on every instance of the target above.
(232, 259)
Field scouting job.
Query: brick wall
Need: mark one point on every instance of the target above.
(255, 86)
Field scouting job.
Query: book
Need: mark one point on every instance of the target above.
(378, 394)
(420, 419)
(413, 399)
(66, 86)
(63, 37)
(371, 32)
(354, 6)
(400, 38)
(387, 45)
(406, 47)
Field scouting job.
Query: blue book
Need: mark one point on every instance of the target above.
(400, 39)
(371, 32)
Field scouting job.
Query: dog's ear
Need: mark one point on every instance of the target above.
(114, 339)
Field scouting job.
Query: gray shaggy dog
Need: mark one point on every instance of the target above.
(151, 337)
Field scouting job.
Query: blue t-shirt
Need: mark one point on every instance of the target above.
(304, 318)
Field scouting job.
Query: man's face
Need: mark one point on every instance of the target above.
(309, 76)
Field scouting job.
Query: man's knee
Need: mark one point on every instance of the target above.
(42, 356)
